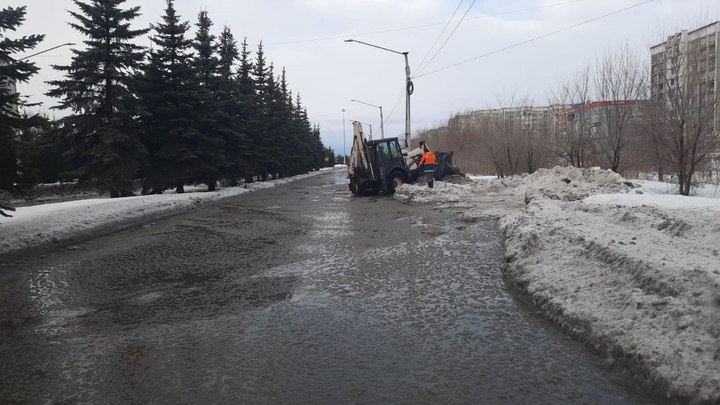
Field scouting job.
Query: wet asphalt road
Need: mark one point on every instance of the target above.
(296, 294)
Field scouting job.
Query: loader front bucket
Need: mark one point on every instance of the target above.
(444, 165)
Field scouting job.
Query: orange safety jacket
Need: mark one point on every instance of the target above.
(428, 159)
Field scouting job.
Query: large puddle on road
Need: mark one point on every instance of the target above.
(412, 304)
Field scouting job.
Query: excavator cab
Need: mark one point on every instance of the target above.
(375, 166)
(386, 156)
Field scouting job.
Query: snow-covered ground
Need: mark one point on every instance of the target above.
(633, 271)
(68, 221)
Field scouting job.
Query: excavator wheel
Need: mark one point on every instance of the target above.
(397, 180)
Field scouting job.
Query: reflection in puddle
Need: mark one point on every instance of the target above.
(341, 179)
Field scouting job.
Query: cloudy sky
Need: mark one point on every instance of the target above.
(306, 37)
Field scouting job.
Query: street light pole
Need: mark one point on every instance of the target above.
(409, 86)
(382, 125)
(12, 83)
(382, 120)
(344, 155)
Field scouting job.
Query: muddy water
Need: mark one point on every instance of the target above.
(297, 294)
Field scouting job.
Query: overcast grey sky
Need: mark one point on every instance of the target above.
(306, 37)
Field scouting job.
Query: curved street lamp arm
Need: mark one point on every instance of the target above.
(47, 50)
(375, 46)
(362, 102)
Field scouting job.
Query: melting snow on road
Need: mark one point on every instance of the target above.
(634, 272)
(48, 223)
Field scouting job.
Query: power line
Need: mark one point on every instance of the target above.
(396, 105)
(448, 38)
(413, 27)
(441, 33)
(534, 38)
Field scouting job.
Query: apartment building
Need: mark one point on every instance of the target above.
(527, 117)
(688, 59)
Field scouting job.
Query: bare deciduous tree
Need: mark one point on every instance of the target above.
(571, 132)
(685, 105)
(619, 80)
(507, 131)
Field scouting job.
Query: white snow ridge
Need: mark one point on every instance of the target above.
(635, 274)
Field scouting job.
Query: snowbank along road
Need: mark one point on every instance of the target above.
(295, 294)
(634, 273)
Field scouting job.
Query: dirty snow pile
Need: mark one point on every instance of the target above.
(634, 273)
(71, 220)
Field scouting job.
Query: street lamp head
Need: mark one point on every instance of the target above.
(349, 40)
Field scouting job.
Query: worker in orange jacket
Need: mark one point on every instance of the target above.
(428, 159)
(427, 166)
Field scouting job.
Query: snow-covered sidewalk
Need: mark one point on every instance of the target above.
(634, 273)
(72, 220)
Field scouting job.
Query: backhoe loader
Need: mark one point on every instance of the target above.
(381, 166)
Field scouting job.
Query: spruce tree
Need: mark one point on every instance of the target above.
(12, 71)
(282, 160)
(292, 137)
(213, 125)
(169, 99)
(230, 110)
(263, 158)
(318, 154)
(106, 144)
(329, 157)
(248, 113)
(48, 146)
(303, 131)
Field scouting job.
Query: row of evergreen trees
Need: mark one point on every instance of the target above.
(12, 71)
(188, 110)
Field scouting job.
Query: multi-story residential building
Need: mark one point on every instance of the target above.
(528, 117)
(688, 58)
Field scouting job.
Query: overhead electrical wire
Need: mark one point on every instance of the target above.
(450, 20)
(342, 36)
(441, 33)
(396, 105)
(421, 68)
(533, 39)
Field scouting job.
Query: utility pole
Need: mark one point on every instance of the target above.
(344, 155)
(409, 86)
(382, 128)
